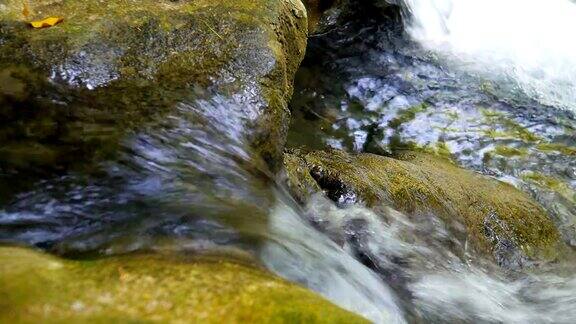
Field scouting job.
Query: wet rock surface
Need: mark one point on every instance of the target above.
(496, 218)
(131, 121)
(316, 9)
(70, 92)
(153, 288)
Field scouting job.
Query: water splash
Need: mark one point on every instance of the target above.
(474, 296)
(434, 274)
(299, 253)
(525, 45)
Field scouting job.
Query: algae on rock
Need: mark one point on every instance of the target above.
(74, 89)
(38, 287)
(500, 220)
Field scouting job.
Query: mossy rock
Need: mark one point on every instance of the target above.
(38, 287)
(500, 220)
(76, 88)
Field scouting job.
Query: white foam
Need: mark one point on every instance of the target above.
(301, 254)
(523, 44)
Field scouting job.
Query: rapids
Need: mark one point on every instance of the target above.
(523, 44)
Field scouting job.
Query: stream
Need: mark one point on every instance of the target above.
(488, 83)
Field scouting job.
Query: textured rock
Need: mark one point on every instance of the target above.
(38, 287)
(501, 221)
(74, 89)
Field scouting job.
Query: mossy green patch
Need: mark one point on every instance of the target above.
(509, 151)
(407, 115)
(506, 128)
(555, 147)
(440, 148)
(489, 113)
(421, 183)
(443, 150)
(551, 183)
(151, 288)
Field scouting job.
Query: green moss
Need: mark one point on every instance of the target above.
(494, 134)
(441, 149)
(38, 287)
(508, 151)
(506, 128)
(487, 87)
(407, 115)
(553, 147)
(298, 177)
(489, 113)
(521, 132)
(143, 58)
(418, 183)
(551, 183)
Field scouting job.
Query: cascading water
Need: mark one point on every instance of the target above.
(189, 187)
(525, 45)
(434, 275)
(428, 82)
(301, 254)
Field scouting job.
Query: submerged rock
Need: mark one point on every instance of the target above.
(69, 92)
(499, 219)
(35, 286)
(316, 9)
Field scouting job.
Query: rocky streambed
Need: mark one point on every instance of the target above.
(154, 165)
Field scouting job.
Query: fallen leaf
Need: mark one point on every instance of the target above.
(48, 22)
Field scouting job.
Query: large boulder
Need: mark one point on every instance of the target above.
(69, 92)
(38, 287)
(500, 220)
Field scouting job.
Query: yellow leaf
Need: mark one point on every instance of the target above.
(48, 22)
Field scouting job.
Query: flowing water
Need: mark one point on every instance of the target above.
(525, 44)
(488, 84)
(482, 81)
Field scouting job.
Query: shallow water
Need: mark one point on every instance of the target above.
(372, 88)
(191, 183)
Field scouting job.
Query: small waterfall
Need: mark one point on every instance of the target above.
(433, 276)
(526, 46)
(299, 253)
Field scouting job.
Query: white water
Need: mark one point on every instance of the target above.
(301, 254)
(444, 287)
(526, 45)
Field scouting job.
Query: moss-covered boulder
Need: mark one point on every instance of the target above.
(500, 220)
(70, 91)
(36, 287)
